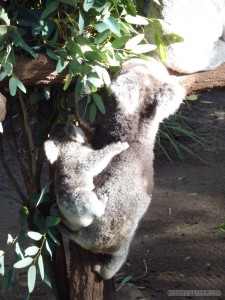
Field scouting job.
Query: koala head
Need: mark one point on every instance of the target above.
(141, 96)
(60, 134)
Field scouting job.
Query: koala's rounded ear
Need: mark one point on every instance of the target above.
(51, 151)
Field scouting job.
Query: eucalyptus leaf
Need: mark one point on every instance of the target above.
(144, 48)
(137, 20)
(48, 247)
(113, 25)
(13, 86)
(99, 103)
(4, 16)
(32, 250)
(31, 278)
(88, 4)
(92, 112)
(134, 41)
(41, 266)
(2, 265)
(52, 221)
(52, 6)
(120, 41)
(23, 263)
(102, 36)
(9, 239)
(34, 235)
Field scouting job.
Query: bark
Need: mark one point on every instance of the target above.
(2, 107)
(203, 80)
(41, 71)
(84, 284)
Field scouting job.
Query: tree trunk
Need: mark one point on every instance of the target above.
(84, 284)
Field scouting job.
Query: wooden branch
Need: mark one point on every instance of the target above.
(38, 71)
(203, 80)
(41, 71)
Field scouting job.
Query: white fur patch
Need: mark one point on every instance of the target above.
(51, 151)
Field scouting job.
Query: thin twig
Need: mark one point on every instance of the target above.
(22, 167)
(10, 175)
(32, 151)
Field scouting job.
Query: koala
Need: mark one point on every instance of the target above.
(201, 25)
(139, 98)
(76, 165)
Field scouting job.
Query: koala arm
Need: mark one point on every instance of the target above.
(103, 156)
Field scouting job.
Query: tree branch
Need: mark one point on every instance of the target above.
(41, 71)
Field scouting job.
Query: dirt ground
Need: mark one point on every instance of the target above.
(178, 245)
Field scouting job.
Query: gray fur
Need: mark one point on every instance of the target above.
(201, 24)
(141, 96)
(76, 165)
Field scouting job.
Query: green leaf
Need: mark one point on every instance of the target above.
(68, 80)
(144, 48)
(53, 5)
(47, 281)
(26, 296)
(99, 103)
(34, 235)
(88, 4)
(124, 281)
(129, 6)
(12, 86)
(52, 221)
(20, 85)
(69, 2)
(137, 20)
(3, 75)
(102, 36)
(8, 280)
(4, 16)
(61, 64)
(48, 248)
(134, 41)
(2, 265)
(92, 112)
(15, 83)
(120, 41)
(31, 278)
(5, 28)
(23, 263)
(81, 22)
(192, 97)
(44, 191)
(98, 82)
(113, 25)
(32, 250)
(52, 236)
(9, 239)
(41, 266)
(24, 213)
(103, 74)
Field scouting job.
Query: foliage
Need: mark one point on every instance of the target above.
(89, 38)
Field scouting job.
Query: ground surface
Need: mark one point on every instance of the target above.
(178, 245)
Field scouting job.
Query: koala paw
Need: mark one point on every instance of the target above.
(103, 271)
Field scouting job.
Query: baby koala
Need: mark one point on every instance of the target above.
(76, 165)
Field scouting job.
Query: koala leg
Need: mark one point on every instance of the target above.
(112, 263)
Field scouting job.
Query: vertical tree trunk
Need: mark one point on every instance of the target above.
(84, 284)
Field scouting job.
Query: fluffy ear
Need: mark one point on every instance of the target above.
(51, 151)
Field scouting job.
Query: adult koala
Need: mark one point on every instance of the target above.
(142, 95)
(201, 24)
